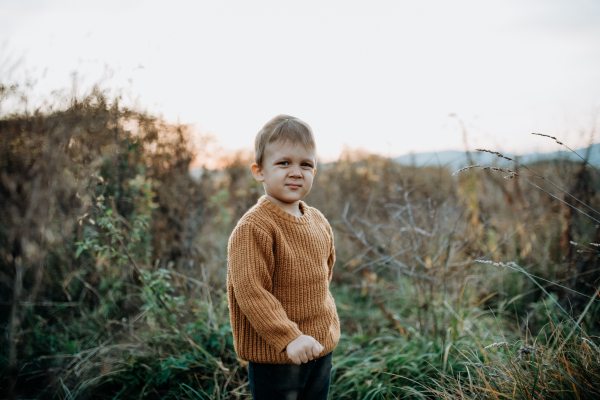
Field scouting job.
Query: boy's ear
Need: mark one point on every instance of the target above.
(257, 172)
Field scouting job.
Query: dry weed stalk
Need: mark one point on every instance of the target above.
(497, 344)
(567, 147)
(466, 168)
(513, 174)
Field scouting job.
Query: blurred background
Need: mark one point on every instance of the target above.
(126, 135)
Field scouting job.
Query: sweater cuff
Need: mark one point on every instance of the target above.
(282, 341)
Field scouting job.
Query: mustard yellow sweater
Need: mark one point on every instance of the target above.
(278, 273)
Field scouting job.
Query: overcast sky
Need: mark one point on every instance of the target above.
(381, 75)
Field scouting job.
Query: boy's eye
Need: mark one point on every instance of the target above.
(284, 163)
(307, 165)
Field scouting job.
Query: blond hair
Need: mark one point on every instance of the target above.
(284, 128)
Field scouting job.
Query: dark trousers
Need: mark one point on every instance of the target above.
(307, 381)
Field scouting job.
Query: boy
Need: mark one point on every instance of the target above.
(279, 267)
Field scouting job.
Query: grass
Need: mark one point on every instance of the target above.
(527, 371)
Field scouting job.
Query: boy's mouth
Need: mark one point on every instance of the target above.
(293, 186)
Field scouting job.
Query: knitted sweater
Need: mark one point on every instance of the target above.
(279, 268)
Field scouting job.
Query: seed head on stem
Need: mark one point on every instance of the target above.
(495, 153)
(497, 344)
(548, 136)
(466, 168)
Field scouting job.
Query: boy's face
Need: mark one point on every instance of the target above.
(287, 171)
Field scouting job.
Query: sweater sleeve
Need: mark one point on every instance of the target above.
(331, 259)
(250, 253)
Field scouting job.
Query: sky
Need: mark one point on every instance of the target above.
(390, 77)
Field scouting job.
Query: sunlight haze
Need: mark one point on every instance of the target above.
(384, 76)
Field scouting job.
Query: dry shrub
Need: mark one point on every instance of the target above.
(56, 168)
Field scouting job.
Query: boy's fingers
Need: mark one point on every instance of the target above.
(304, 357)
(319, 346)
(316, 350)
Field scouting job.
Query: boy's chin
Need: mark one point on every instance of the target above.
(289, 198)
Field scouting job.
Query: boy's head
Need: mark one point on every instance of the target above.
(285, 155)
(286, 129)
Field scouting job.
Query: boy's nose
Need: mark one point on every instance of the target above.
(295, 174)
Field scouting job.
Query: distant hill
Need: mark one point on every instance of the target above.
(458, 159)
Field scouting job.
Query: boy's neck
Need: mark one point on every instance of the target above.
(292, 208)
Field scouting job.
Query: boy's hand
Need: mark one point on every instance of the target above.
(303, 349)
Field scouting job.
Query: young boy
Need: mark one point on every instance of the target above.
(279, 265)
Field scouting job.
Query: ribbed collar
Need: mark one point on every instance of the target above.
(265, 203)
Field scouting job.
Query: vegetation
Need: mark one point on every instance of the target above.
(113, 267)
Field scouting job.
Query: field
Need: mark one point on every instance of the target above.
(113, 267)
